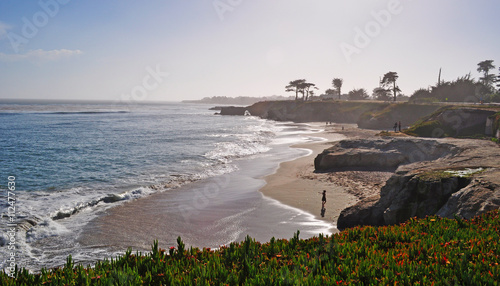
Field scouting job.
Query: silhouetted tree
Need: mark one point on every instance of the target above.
(311, 94)
(498, 80)
(381, 94)
(330, 92)
(358, 94)
(402, 97)
(337, 83)
(390, 79)
(296, 86)
(423, 94)
(306, 89)
(462, 89)
(485, 67)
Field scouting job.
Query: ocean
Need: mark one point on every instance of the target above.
(93, 179)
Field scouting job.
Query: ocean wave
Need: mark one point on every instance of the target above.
(38, 112)
(82, 112)
(62, 210)
(65, 212)
(45, 228)
(40, 207)
(253, 140)
(225, 151)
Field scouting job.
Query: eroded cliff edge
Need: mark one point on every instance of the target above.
(432, 120)
(446, 177)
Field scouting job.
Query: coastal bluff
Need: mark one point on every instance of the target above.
(431, 174)
(449, 120)
(311, 111)
(444, 177)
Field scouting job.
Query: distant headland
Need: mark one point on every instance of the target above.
(239, 100)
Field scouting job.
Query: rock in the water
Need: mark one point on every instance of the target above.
(232, 110)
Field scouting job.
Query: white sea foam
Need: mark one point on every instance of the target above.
(57, 215)
(44, 229)
(255, 141)
(304, 218)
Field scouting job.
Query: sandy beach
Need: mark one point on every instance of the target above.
(296, 184)
(222, 209)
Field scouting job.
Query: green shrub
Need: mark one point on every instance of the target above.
(430, 251)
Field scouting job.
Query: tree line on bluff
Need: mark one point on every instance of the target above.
(463, 89)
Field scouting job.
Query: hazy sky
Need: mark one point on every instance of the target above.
(188, 49)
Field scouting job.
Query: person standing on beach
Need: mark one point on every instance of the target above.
(399, 125)
(323, 199)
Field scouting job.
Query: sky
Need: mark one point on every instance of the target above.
(172, 50)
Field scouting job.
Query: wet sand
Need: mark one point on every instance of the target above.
(223, 209)
(296, 184)
(210, 212)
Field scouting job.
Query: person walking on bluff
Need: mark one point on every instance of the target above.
(399, 126)
(395, 127)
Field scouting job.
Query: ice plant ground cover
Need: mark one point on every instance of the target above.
(428, 251)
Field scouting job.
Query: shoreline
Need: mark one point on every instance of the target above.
(210, 212)
(297, 185)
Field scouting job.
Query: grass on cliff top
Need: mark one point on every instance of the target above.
(402, 108)
(427, 127)
(448, 173)
(429, 251)
(348, 106)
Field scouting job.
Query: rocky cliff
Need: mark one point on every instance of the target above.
(453, 121)
(311, 111)
(432, 176)
(379, 153)
(407, 113)
(433, 120)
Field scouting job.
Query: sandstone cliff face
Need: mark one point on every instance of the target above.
(381, 153)
(478, 197)
(384, 119)
(407, 195)
(313, 111)
(432, 176)
(456, 122)
(464, 121)
(445, 121)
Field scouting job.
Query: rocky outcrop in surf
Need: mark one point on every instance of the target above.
(232, 110)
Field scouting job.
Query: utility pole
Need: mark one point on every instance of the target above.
(439, 78)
